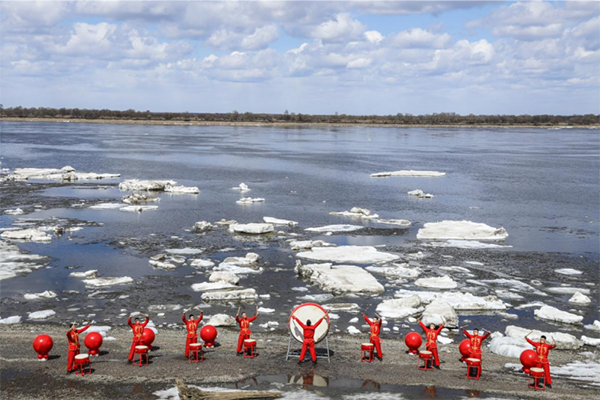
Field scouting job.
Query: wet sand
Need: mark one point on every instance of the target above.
(23, 377)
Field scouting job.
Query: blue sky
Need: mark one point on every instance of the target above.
(354, 57)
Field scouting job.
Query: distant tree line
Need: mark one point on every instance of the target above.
(290, 117)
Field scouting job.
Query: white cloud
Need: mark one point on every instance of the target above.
(260, 38)
(373, 37)
(418, 38)
(359, 63)
(343, 28)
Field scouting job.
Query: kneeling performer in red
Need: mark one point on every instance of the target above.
(192, 330)
(476, 341)
(431, 345)
(245, 332)
(74, 346)
(375, 329)
(138, 330)
(542, 349)
(309, 338)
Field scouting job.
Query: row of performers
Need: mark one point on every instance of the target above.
(542, 348)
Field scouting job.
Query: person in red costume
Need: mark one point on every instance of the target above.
(476, 341)
(309, 338)
(244, 324)
(542, 349)
(192, 330)
(74, 345)
(138, 330)
(375, 329)
(431, 345)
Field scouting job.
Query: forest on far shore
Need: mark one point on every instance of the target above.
(298, 118)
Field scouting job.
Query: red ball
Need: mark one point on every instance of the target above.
(148, 337)
(208, 333)
(93, 341)
(42, 345)
(413, 341)
(465, 348)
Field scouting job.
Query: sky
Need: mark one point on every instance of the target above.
(312, 57)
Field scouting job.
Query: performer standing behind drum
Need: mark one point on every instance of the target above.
(542, 349)
(309, 337)
(375, 329)
(191, 326)
(74, 345)
(244, 324)
(476, 341)
(431, 345)
(138, 330)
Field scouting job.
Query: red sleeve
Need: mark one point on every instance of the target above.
(439, 329)
(83, 329)
(379, 323)
(423, 326)
(485, 336)
(146, 322)
(368, 320)
(69, 335)
(253, 318)
(319, 322)
(299, 322)
(551, 346)
(129, 322)
(183, 318)
(531, 342)
(200, 317)
(467, 334)
(237, 319)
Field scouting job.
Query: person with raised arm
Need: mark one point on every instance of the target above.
(138, 330)
(375, 330)
(431, 334)
(74, 345)
(476, 342)
(244, 324)
(309, 337)
(542, 349)
(191, 326)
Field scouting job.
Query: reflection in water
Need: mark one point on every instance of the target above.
(244, 383)
(431, 392)
(308, 379)
(371, 384)
(473, 393)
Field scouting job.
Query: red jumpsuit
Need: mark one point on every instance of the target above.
(309, 339)
(542, 350)
(475, 344)
(375, 329)
(138, 330)
(431, 344)
(73, 338)
(192, 334)
(245, 332)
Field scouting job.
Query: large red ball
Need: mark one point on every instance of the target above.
(208, 333)
(413, 340)
(528, 358)
(148, 337)
(42, 345)
(465, 348)
(93, 341)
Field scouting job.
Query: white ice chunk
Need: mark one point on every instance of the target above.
(440, 312)
(101, 329)
(209, 286)
(356, 212)
(342, 307)
(184, 251)
(15, 319)
(348, 254)
(250, 200)
(444, 282)
(44, 314)
(404, 223)
(277, 221)
(31, 234)
(420, 194)
(222, 320)
(400, 308)
(340, 278)
(87, 274)
(460, 230)
(202, 226)
(224, 276)
(16, 211)
(242, 188)
(252, 228)
(265, 310)
(138, 185)
(178, 189)
(580, 298)
(48, 294)
(352, 330)
(509, 346)
(589, 341)
(568, 271)
(513, 284)
(550, 313)
(467, 244)
(106, 206)
(458, 300)
(138, 208)
(594, 327)
(396, 271)
(13, 262)
(567, 290)
(563, 340)
(309, 244)
(408, 173)
(335, 228)
(584, 371)
(200, 263)
(222, 295)
(103, 282)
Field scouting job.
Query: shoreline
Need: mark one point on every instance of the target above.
(284, 124)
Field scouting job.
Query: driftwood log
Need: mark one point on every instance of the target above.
(190, 393)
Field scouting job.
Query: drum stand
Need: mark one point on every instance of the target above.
(296, 353)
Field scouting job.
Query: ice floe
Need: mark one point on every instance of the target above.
(224, 276)
(348, 254)
(222, 320)
(86, 274)
(403, 223)
(250, 200)
(352, 330)
(342, 307)
(583, 371)
(460, 230)
(420, 194)
(65, 173)
(104, 282)
(567, 290)
(138, 198)
(101, 329)
(440, 312)
(508, 346)
(308, 244)
(106, 206)
(458, 300)
(589, 341)
(594, 326)
(550, 313)
(400, 308)
(408, 173)
(224, 295)
(340, 278)
(335, 228)
(580, 298)
(44, 314)
(568, 271)
(48, 294)
(184, 251)
(30, 234)
(396, 271)
(356, 212)
(15, 319)
(138, 208)
(136, 185)
(242, 188)
(179, 189)
(512, 284)
(277, 221)
(251, 228)
(443, 282)
(468, 244)
(13, 262)
(201, 263)
(16, 211)
(210, 286)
